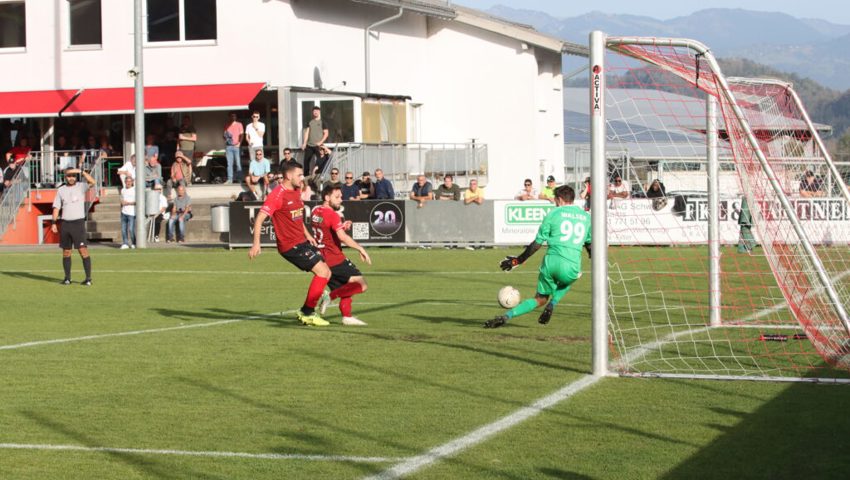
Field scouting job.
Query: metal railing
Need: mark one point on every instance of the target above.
(12, 198)
(46, 167)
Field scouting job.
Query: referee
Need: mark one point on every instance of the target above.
(71, 200)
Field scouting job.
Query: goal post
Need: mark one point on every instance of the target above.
(739, 267)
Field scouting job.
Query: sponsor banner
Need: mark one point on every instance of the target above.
(678, 221)
(371, 222)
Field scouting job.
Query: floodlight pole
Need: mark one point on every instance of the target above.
(141, 231)
(713, 211)
(598, 204)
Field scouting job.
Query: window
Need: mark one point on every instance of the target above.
(85, 22)
(13, 31)
(181, 20)
(337, 115)
(384, 121)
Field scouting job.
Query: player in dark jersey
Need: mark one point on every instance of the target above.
(294, 241)
(329, 231)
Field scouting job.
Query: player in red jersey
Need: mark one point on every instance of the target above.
(294, 241)
(329, 231)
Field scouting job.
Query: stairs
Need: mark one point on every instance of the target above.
(104, 222)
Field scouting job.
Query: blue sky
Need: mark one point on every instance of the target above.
(836, 11)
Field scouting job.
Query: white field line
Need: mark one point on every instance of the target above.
(453, 447)
(192, 453)
(134, 332)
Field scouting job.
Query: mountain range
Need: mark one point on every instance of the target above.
(817, 49)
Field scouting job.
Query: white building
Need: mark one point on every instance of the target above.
(430, 73)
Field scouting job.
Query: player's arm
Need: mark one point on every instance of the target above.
(509, 263)
(53, 227)
(350, 242)
(258, 225)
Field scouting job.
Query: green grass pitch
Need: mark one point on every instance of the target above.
(163, 401)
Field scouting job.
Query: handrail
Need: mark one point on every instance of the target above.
(12, 198)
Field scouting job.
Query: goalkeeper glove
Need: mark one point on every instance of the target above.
(509, 263)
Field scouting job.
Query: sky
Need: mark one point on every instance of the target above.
(836, 11)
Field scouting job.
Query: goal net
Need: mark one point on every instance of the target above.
(751, 284)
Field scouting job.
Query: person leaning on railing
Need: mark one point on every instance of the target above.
(474, 194)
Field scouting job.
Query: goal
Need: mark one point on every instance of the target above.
(730, 258)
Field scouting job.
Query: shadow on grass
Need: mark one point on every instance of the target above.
(220, 314)
(562, 474)
(143, 463)
(800, 433)
(33, 276)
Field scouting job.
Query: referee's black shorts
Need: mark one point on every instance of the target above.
(342, 273)
(304, 256)
(72, 234)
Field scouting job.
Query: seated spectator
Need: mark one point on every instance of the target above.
(448, 190)
(8, 175)
(548, 192)
(128, 170)
(335, 180)
(585, 194)
(128, 214)
(350, 190)
(19, 153)
(106, 149)
(366, 187)
(275, 178)
(162, 215)
(151, 149)
(153, 173)
(383, 187)
(181, 172)
(181, 212)
(811, 185)
(421, 191)
(258, 174)
(656, 189)
(528, 192)
(473, 194)
(322, 159)
(618, 188)
(306, 192)
(287, 156)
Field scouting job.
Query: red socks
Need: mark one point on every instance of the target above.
(347, 290)
(345, 306)
(314, 293)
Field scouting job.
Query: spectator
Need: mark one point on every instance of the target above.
(314, 137)
(548, 192)
(383, 187)
(128, 169)
(162, 215)
(421, 191)
(153, 173)
(528, 192)
(473, 194)
(8, 175)
(306, 192)
(254, 132)
(656, 190)
(334, 180)
(619, 188)
(181, 212)
(258, 173)
(186, 138)
(811, 185)
(19, 153)
(233, 134)
(151, 149)
(181, 172)
(287, 155)
(366, 187)
(350, 190)
(585, 194)
(322, 160)
(275, 177)
(448, 190)
(106, 149)
(128, 214)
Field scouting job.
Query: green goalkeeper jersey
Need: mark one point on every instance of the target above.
(566, 230)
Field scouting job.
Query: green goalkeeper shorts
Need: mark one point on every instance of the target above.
(556, 274)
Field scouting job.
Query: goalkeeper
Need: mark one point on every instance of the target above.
(566, 229)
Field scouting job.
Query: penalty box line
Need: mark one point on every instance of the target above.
(194, 453)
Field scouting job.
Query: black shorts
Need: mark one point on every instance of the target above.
(72, 234)
(304, 256)
(342, 273)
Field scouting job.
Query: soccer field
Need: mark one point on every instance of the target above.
(189, 363)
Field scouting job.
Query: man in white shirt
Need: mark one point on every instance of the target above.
(618, 188)
(128, 214)
(254, 134)
(128, 169)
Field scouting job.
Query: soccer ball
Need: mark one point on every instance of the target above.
(509, 297)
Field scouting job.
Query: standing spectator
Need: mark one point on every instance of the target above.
(181, 212)
(810, 185)
(128, 214)
(8, 175)
(106, 149)
(258, 173)
(153, 173)
(585, 194)
(186, 138)
(314, 137)
(448, 190)
(473, 194)
(128, 169)
(383, 187)
(656, 190)
(528, 192)
(71, 201)
(151, 149)
(548, 192)
(254, 134)
(181, 172)
(619, 188)
(234, 133)
(366, 187)
(19, 153)
(421, 191)
(350, 190)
